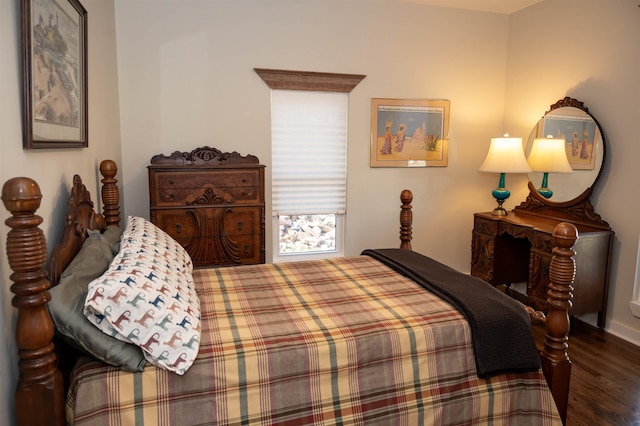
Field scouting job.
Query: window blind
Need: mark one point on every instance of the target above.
(309, 151)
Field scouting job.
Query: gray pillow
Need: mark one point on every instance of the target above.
(111, 235)
(67, 304)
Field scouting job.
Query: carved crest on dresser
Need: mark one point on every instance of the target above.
(204, 155)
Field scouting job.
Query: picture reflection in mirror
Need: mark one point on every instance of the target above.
(579, 134)
(584, 149)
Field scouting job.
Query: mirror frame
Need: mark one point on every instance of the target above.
(578, 209)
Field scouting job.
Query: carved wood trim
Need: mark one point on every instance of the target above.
(309, 80)
(80, 217)
(220, 250)
(568, 102)
(578, 211)
(516, 231)
(209, 197)
(534, 272)
(203, 156)
(484, 227)
(482, 253)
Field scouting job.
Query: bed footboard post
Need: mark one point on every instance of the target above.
(39, 395)
(556, 364)
(110, 193)
(406, 219)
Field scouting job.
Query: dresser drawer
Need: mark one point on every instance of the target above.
(542, 242)
(180, 224)
(485, 226)
(187, 223)
(240, 221)
(215, 236)
(516, 230)
(207, 195)
(249, 248)
(199, 179)
(482, 248)
(224, 251)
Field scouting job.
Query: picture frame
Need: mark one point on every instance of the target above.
(54, 70)
(580, 135)
(409, 133)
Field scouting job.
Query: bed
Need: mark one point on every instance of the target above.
(369, 339)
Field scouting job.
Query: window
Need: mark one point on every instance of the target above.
(309, 148)
(309, 171)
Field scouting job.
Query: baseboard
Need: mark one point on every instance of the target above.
(624, 332)
(615, 328)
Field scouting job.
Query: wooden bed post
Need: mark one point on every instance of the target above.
(556, 364)
(110, 193)
(39, 395)
(406, 218)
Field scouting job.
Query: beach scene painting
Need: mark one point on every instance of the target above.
(409, 133)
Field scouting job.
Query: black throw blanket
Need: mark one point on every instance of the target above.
(500, 327)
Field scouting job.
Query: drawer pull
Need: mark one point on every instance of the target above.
(171, 195)
(171, 182)
(178, 228)
(244, 180)
(240, 224)
(246, 248)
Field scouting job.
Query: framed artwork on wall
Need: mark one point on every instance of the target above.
(409, 133)
(54, 70)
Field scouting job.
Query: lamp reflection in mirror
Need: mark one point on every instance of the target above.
(548, 155)
(505, 156)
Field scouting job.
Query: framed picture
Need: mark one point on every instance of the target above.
(54, 69)
(409, 133)
(580, 138)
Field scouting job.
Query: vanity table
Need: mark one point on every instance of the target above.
(514, 251)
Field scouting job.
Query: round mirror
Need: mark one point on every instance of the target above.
(570, 121)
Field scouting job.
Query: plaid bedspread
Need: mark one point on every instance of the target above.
(339, 341)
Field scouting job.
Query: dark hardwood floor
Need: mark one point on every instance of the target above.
(605, 378)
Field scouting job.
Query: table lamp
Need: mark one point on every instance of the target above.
(505, 156)
(548, 155)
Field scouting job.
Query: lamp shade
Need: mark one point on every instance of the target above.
(549, 155)
(505, 156)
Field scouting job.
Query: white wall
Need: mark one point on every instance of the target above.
(52, 169)
(187, 80)
(588, 49)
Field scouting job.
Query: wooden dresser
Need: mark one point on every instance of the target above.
(517, 248)
(212, 203)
